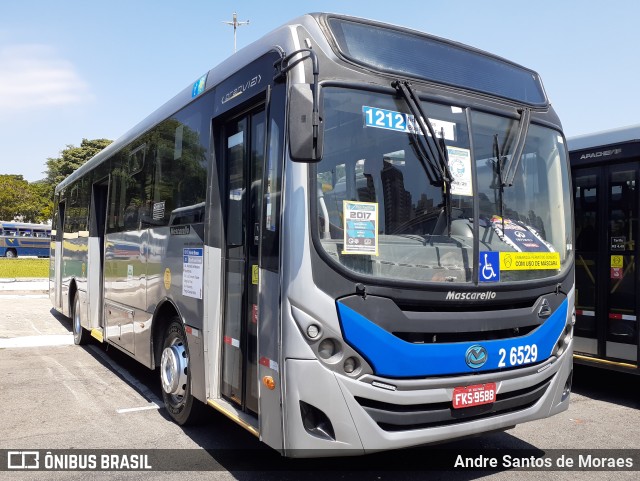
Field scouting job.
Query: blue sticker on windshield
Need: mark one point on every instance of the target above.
(401, 122)
(489, 267)
(388, 119)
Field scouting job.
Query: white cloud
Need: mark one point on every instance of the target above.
(35, 76)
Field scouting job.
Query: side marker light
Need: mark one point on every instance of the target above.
(269, 382)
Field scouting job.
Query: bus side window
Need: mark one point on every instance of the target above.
(178, 170)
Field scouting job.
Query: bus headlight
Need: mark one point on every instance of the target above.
(328, 348)
(351, 366)
(332, 352)
(565, 337)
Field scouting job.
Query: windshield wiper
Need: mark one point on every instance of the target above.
(506, 174)
(497, 172)
(521, 138)
(431, 151)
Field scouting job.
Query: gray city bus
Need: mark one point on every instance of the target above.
(348, 237)
(605, 167)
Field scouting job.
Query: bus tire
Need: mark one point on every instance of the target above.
(80, 335)
(175, 377)
(11, 254)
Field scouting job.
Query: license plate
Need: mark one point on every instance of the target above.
(469, 396)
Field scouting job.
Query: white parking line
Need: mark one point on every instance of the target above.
(24, 296)
(141, 408)
(155, 403)
(37, 341)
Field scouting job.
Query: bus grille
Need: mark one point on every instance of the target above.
(396, 417)
(475, 336)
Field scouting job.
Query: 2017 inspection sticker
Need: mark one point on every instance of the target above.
(529, 261)
(360, 227)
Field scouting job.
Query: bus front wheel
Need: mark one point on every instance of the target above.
(175, 377)
(11, 254)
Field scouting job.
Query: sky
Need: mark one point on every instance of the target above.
(74, 69)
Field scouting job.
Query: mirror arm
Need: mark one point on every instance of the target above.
(286, 63)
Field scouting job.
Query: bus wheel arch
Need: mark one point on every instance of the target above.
(165, 313)
(80, 335)
(171, 356)
(11, 254)
(73, 289)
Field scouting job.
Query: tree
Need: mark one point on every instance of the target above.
(40, 207)
(59, 168)
(18, 198)
(34, 202)
(13, 189)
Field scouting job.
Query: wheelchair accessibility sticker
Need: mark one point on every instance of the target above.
(489, 268)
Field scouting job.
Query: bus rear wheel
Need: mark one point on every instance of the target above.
(11, 254)
(175, 377)
(80, 334)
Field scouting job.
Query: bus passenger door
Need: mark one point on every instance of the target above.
(243, 152)
(621, 333)
(58, 256)
(606, 217)
(587, 219)
(95, 258)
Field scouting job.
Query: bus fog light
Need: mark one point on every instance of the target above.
(350, 365)
(313, 331)
(327, 348)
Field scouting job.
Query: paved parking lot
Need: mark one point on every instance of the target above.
(58, 396)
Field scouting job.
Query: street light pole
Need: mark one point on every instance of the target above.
(235, 25)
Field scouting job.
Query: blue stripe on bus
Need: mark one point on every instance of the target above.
(21, 242)
(393, 357)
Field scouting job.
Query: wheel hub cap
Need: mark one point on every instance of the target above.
(173, 369)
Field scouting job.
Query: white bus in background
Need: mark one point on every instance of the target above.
(605, 167)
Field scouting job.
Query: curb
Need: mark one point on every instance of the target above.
(13, 285)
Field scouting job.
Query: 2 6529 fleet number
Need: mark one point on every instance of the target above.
(518, 355)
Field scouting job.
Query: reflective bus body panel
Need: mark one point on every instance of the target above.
(143, 269)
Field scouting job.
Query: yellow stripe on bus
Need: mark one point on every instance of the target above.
(234, 417)
(97, 333)
(605, 361)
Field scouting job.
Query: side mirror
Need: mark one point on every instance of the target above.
(305, 127)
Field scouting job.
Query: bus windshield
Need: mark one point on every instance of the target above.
(382, 212)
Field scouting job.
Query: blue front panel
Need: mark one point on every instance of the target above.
(393, 357)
